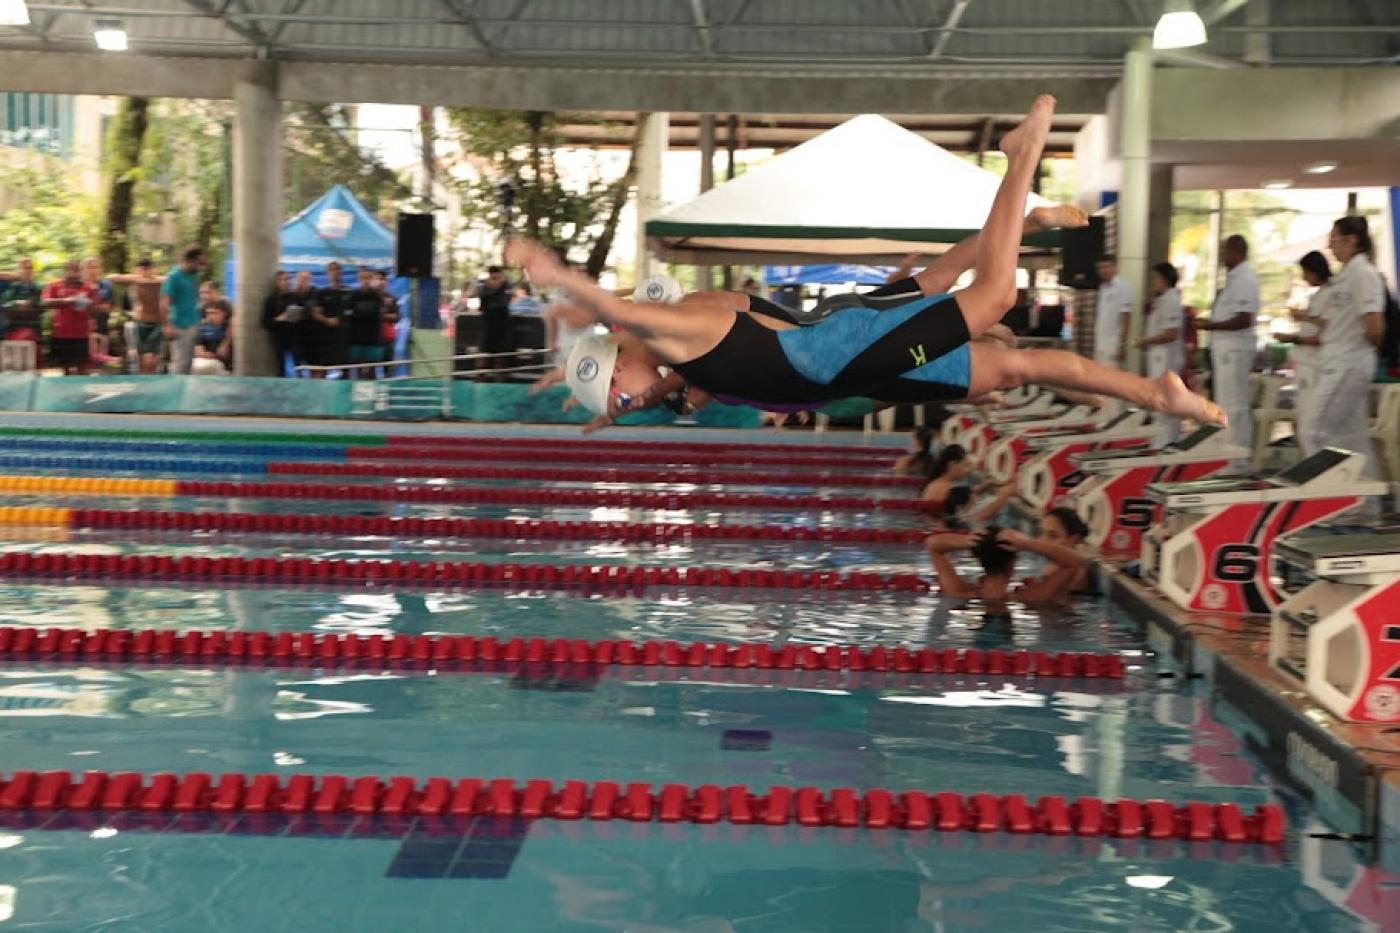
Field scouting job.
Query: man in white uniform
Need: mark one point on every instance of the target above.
(1161, 336)
(1114, 301)
(1232, 340)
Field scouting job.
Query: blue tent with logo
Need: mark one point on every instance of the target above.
(335, 227)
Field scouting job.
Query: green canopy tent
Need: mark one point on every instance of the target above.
(866, 191)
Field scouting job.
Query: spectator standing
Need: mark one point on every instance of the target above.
(1350, 334)
(1162, 336)
(329, 344)
(1114, 301)
(92, 275)
(143, 292)
(1317, 273)
(1233, 345)
(73, 303)
(494, 296)
(281, 318)
(21, 300)
(389, 315)
(179, 308)
(365, 319)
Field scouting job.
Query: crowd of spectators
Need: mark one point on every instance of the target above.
(82, 321)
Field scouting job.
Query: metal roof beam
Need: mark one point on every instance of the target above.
(950, 26)
(204, 7)
(702, 28)
(467, 17)
(1221, 10)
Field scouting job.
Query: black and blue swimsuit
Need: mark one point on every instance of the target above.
(893, 344)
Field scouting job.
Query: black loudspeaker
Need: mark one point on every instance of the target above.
(1080, 249)
(413, 254)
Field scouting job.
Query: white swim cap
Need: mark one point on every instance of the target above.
(589, 370)
(658, 290)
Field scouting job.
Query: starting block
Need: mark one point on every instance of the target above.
(1046, 473)
(1077, 418)
(1111, 499)
(966, 417)
(1213, 550)
(1340, 635)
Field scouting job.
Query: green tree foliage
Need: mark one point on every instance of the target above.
(181, 191)
(519, 147)
(1262, 218)
(47, 218)
(321, 151)
(121, 169)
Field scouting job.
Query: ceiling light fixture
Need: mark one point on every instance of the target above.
(1278, 183)
(110, 35)
(1180, 26)
(14, 13)
(1321, 168)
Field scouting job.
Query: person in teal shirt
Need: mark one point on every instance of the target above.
(179, 308)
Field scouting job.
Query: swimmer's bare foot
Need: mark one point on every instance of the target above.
(1180, 401)
(1002, 334)
(541, 262)
(1055, 217)
(1028, 139)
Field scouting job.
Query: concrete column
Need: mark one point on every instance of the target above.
(1135, 146)
(655, 131)
(705, 274)
(257, 211)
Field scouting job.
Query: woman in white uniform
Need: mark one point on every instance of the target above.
(1162, 334)
(1350, 333)
(1318, 274)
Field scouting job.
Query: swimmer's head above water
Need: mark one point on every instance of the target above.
(602, 368)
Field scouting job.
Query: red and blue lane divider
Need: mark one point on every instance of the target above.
(587, 498)
(329, 795)
(107, 447)
(625, 446)
(611, 580)
(439, 528)
(293, 648)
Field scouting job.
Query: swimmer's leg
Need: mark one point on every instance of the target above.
(993, 291)
(994, 367)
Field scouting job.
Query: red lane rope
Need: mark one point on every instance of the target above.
(564, 455)
(620, 498)
(615, 579)
(534, 529)
(204, 647)
(578, 443)
(583, 475)
(638, 802)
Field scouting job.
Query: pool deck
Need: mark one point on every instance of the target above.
(1350, 771)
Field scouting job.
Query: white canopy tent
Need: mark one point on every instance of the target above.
(866, 191)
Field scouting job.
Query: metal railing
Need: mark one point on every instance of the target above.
(397, 392)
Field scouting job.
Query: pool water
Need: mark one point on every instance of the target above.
(1150, 736)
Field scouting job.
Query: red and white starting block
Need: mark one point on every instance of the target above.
(1340, 635)
(1112, 499)
(1213, 550)
(1050, 474)
(1078, 418)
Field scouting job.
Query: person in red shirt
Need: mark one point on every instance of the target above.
(73, 303)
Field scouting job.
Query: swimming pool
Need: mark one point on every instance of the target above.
(1145, 736)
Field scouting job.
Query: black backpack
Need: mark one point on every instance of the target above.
(1390, 342)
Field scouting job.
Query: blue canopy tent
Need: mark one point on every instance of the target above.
(333, 228)
(825, 274)
(336, 227)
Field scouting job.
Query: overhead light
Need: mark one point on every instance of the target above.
(14, 13)
(1321, 168)
(110, 35)
(1277, 183)
(1151, 882)
(1180, 27)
